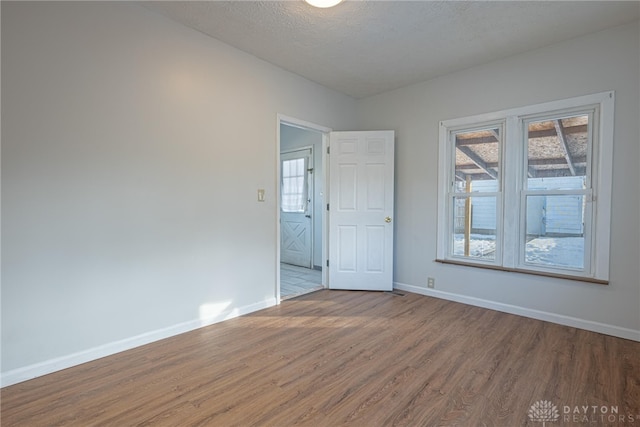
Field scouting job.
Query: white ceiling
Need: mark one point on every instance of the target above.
(362, 48)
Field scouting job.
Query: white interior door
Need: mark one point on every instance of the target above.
(361, 210)
(296, 208)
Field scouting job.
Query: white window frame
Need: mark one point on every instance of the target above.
(510, 221)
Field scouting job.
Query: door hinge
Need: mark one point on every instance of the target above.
(328, 150)
(327, 206)
(327, 263)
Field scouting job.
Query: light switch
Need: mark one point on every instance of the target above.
(261, 195)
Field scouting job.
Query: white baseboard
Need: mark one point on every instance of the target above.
(43, 368)
(560, 319)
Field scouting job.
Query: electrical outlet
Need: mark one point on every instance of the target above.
(431, 282)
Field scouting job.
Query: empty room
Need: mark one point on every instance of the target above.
(270, 213)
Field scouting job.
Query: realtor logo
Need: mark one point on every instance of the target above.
(544, 411)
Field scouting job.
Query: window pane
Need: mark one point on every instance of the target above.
(556, 149)
(474, 233)
(477, 160)
(293, 191)
(555, 231)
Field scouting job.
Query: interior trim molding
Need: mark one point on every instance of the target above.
(35, 370)
(524, 271)
(603, 328)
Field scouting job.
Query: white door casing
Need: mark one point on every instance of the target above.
(296, 226)
(361, 183)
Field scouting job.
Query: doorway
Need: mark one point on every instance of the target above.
(301, 182)
(360, 192)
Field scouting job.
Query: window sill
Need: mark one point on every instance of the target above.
(532, 272)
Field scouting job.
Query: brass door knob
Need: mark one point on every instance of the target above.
(387, 219)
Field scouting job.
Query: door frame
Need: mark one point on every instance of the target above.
(305, 125)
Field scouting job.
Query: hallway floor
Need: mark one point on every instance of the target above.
(295, 281)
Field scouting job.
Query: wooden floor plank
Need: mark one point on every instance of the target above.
(344, 358)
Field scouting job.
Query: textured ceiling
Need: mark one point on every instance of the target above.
(362, 48)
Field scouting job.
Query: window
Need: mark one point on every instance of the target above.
(529, 189)
(476, 191)
(556, 190)
(294, 194)
(294, 185)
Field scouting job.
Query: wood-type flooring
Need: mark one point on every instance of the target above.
(333, 358)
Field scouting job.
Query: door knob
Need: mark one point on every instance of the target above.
(387, 219)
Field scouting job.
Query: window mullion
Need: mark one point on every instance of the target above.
(512, 184)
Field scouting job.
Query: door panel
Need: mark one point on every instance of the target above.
(296, 236)
(296, 208)
(347, 245)
(375, 235)
(361, 210)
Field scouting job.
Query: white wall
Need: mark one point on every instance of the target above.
(290, 139)
(132, 151)
(599, 62)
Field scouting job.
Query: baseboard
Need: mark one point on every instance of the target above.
(49, 366)
(560, 319)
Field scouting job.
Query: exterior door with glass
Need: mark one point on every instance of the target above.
(296, 208)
